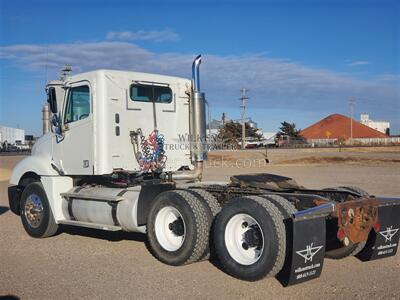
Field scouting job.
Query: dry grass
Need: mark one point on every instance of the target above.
(336, 159)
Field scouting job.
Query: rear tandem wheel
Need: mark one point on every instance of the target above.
(178, 227)
(250, 238)
(351, 249)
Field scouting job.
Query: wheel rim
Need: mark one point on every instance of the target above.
(170, 228)
(33, 210)
(244, 239)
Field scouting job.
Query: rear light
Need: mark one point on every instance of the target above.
(340, 235)
(377, 227)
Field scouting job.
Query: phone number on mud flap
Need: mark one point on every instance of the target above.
(306, 274)
(389, 249)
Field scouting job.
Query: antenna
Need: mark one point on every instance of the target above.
(47, 61)
(243, 104)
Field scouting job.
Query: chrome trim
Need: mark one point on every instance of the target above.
(196, 73)
(33, 210)
(318, 211)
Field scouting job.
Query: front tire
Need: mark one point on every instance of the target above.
(178, 228)
(36, 215)
(250, 238)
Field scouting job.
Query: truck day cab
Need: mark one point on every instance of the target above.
(106, 164)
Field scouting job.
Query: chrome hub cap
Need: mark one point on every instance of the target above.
(33, 210)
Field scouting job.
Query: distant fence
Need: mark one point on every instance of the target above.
(377, 141)
(13, 153)
(310, 143)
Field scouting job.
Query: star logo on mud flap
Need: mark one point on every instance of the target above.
(388, 233)
(309, 252)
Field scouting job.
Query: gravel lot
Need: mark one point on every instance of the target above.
(92, 264)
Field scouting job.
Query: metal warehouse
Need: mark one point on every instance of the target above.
(12, 135)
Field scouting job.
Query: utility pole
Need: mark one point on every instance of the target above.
(243, 100)
(352, 102)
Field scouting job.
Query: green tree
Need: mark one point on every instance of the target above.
(231, 133)
(289, 129)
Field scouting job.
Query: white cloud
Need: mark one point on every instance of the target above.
(389, 78)
(143, 35)
(273, 83)
(358, 63)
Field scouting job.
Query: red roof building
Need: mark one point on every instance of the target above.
(338, 126)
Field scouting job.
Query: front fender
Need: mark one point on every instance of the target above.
(40, 165)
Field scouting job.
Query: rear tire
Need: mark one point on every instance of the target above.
(36, 215)
(214, 208)
(178, 228)
(345, 251)
(355, 189)
(285, 207)
(250, 238)
(352, 249)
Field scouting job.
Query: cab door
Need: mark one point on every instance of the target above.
(77, 146)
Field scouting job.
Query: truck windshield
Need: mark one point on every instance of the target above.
(78, 104)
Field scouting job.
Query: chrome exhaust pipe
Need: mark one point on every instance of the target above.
(197, 107)
(196, 73)
(197, 116)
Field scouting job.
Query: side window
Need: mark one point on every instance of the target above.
(142, 93)
(162, 94)
(149, 93)
(78, 104)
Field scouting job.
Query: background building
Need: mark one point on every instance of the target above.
(382, 126)
(14, 136)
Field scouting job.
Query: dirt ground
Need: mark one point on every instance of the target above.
(92, 264)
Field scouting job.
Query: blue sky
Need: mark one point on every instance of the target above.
(301, 60)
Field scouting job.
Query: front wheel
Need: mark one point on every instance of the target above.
(36, 215)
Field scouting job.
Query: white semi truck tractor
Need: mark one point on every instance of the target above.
(114, 161)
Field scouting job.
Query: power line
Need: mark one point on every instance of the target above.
(244, 98)
(352, 102)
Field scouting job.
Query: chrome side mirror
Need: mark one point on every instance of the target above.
(55, 120)
(56, 124)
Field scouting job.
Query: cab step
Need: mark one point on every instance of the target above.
(90, 225)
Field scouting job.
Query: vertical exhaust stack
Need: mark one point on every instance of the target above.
(197, 127)
(198, 115)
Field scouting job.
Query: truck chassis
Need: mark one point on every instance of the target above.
(276, 227)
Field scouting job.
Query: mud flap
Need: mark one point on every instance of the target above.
(305, 250)
(383, 243)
